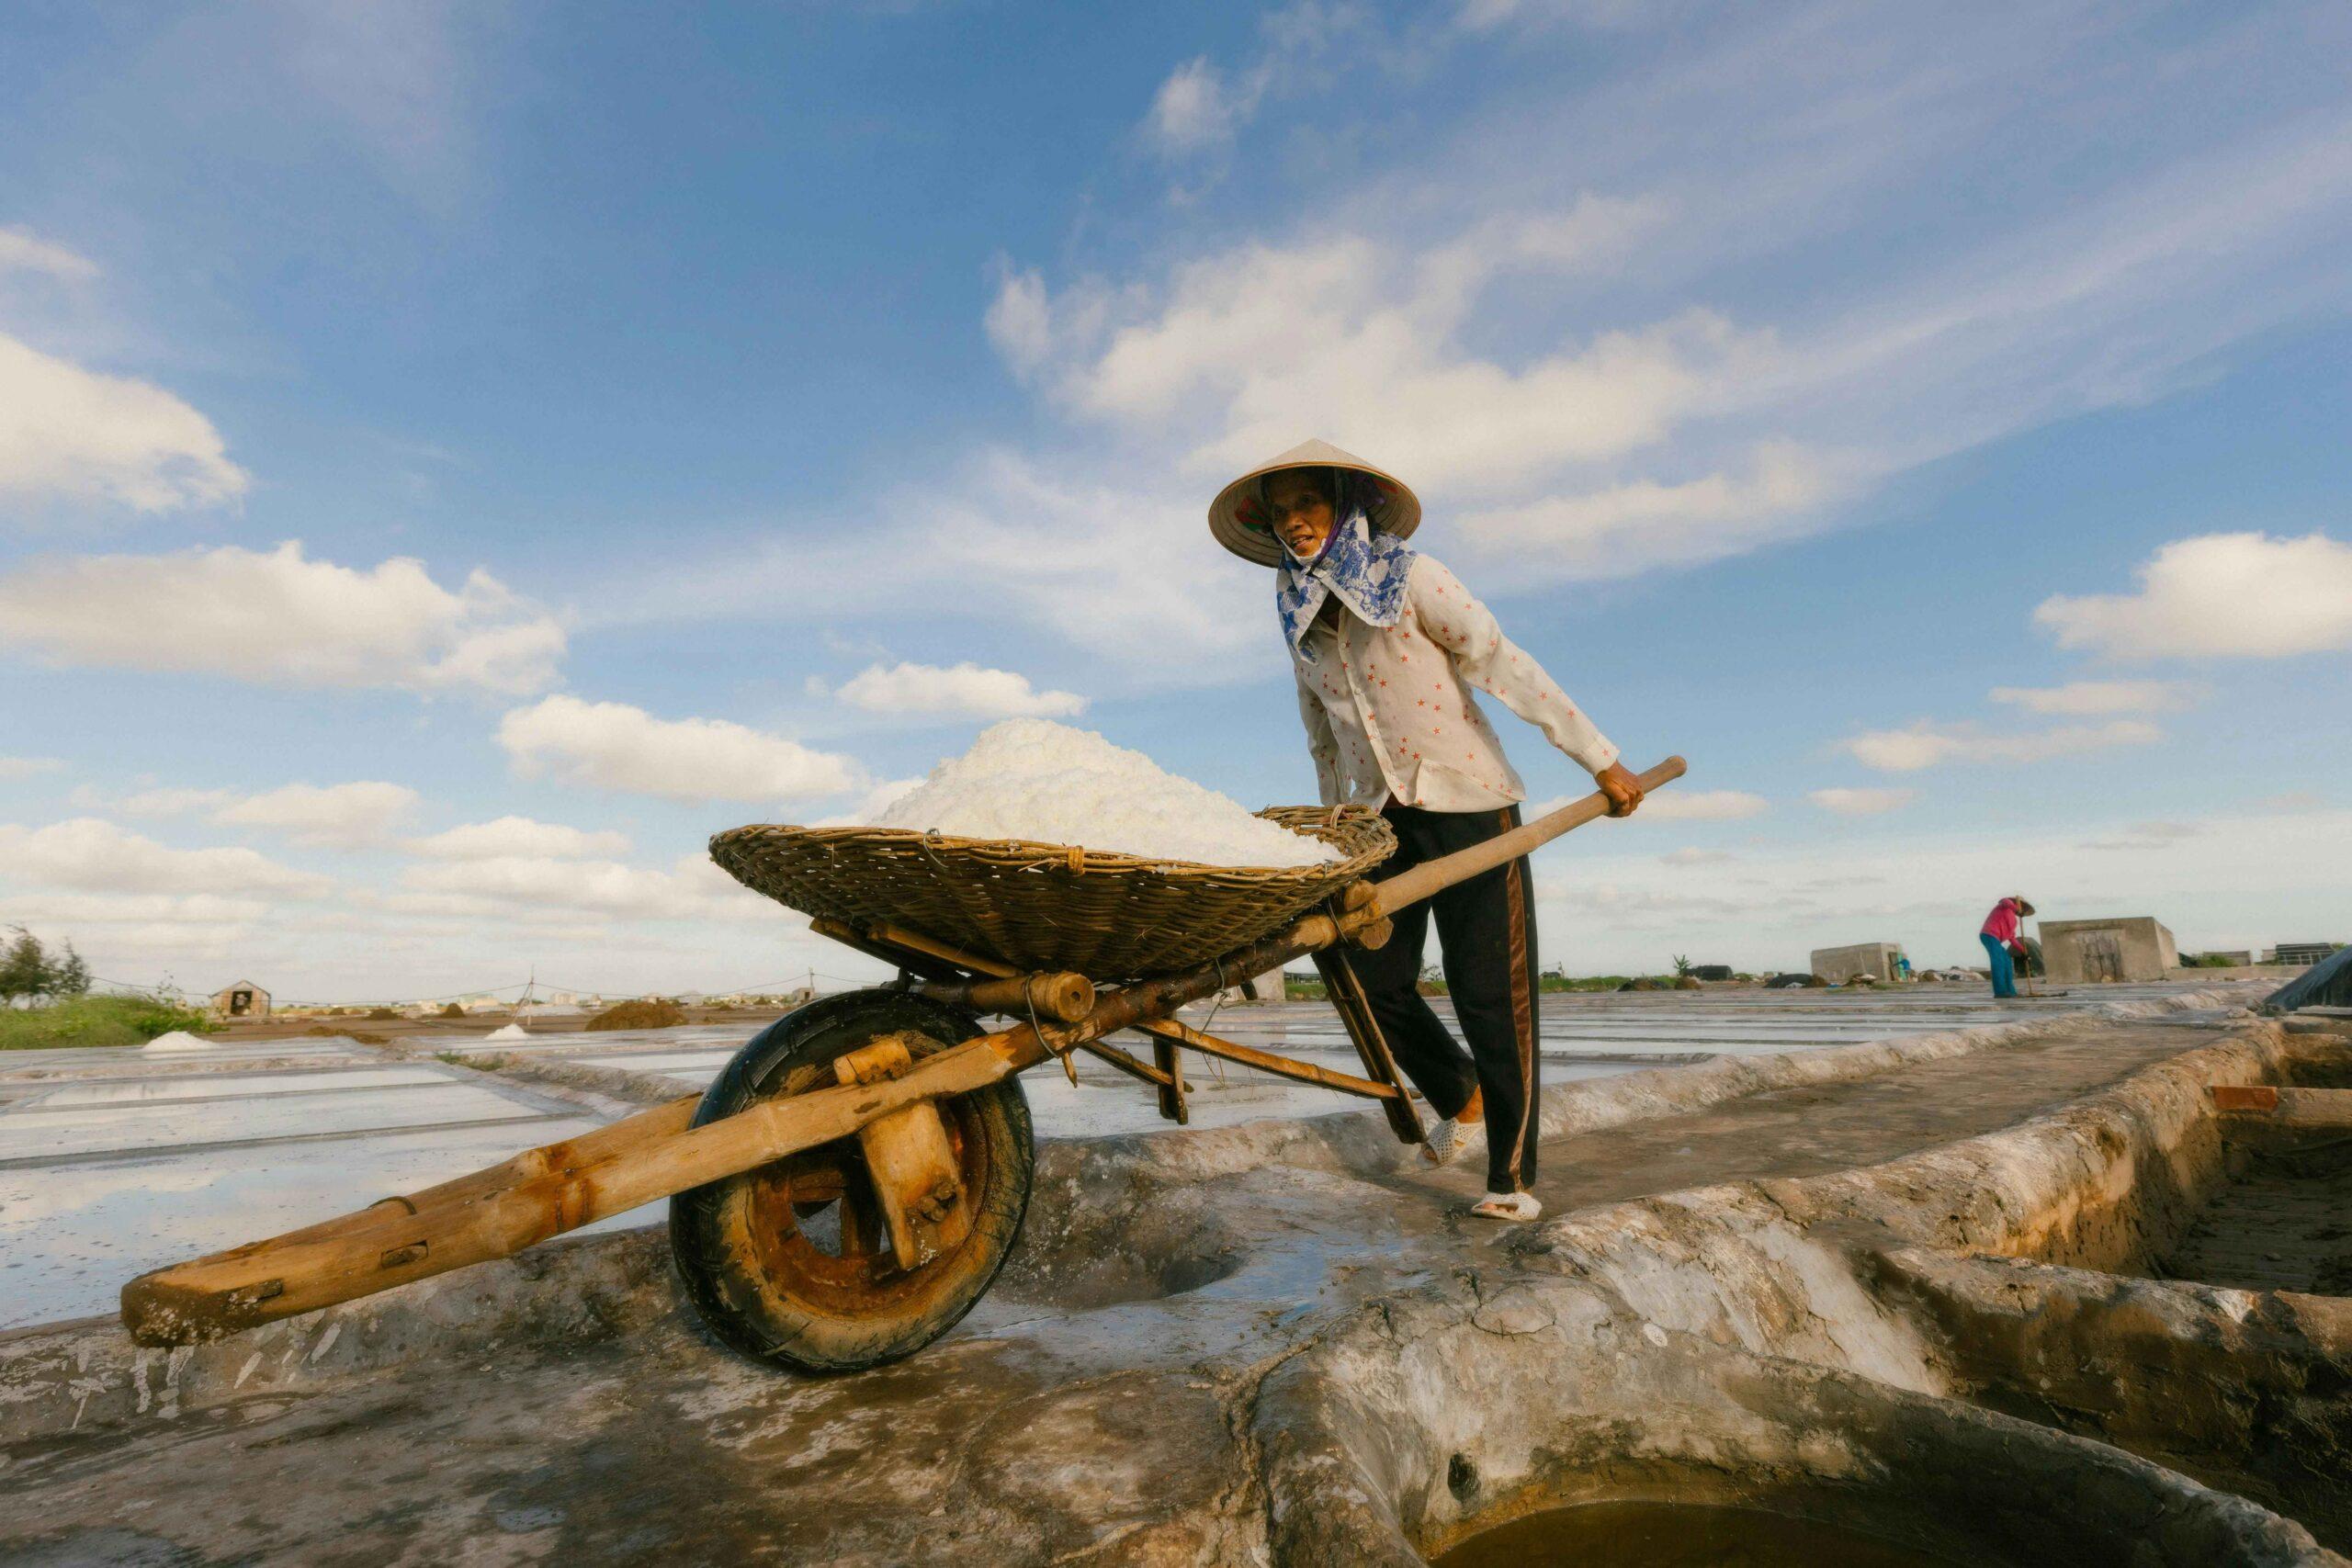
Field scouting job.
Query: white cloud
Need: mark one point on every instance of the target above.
(519, 837)
(1020, 320)
(1861, 802)
(280, 619)
(966, 690)
(88, 854)
(1200, 109)
(1673, 804)
(1193, 109)
(870, 805)
(1077, 551)
(693, 888)
(1361, 340)
(342, 817)
(2078, 698)
(2219, 595)
(1690, 854)
(167, 801)
(1644, 524)
(22, 250)
(200, 910)
(614, 746)
(2150, 836)
(1926, 745)
(26, 767)
(79, 436)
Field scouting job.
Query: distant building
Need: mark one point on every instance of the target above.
(2305, 952)
(1880, 960)
(2091, 951)
(243, 999)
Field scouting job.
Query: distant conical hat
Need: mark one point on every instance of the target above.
(1238, 515)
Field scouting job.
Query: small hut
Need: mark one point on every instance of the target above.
(243, 999)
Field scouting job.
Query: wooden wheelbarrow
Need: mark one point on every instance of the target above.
(850, 1184)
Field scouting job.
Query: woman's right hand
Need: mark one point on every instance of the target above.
(1623, 790)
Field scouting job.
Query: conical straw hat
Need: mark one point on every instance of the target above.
(1237, 514)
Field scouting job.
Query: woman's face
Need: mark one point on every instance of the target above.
(1299, 512)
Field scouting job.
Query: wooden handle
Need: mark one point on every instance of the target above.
(1436, 875)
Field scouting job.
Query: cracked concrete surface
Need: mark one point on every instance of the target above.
(1840, 1281)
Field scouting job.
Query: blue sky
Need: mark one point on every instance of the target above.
(452, 459)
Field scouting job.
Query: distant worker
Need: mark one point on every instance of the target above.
(2005, 942)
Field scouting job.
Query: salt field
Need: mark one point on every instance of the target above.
(113, 1162)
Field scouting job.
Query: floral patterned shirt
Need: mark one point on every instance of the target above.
(1389, 710)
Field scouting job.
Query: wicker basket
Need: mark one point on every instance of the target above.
(1109, 917)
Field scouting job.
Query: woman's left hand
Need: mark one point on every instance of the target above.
(1623, 790)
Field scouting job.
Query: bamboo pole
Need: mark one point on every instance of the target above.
(1268, 1061)
(1435, 876)
(641, 1159)
(1065, 998)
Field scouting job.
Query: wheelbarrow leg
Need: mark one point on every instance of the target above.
(1347, 994)
(1171, 1093)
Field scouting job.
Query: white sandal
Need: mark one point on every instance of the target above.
(1441, 1142)
(1516, 1207)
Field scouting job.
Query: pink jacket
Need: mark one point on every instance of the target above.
(2001, 925)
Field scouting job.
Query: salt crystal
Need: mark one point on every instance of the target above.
(1030, 778)
(178, 1040)
(511, 1032)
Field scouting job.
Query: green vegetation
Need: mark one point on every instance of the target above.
(45, 1001)
(1601, 982)
(96, 1021)
(30, 973)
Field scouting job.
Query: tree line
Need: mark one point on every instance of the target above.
(31, 973)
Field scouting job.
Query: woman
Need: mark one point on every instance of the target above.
(2004, 945)
(1385, 644)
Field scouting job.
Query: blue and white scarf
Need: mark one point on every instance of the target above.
(1366, 569)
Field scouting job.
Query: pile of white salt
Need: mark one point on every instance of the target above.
(1030, 778)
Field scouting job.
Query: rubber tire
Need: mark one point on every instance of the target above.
(746, 1307)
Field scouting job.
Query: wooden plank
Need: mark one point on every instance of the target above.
(909, 1158)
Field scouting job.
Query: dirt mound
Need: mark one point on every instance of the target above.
(654, 1013)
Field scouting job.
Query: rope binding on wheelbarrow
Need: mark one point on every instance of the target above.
(1034, 906)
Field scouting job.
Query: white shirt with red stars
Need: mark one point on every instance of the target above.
(1389, 710)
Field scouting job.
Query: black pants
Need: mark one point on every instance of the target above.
(1485, 930)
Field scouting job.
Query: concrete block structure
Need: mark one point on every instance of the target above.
(243, 999)
(1840, 965)
(2126, 948)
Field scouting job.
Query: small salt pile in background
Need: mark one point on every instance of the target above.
(1030, 778)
